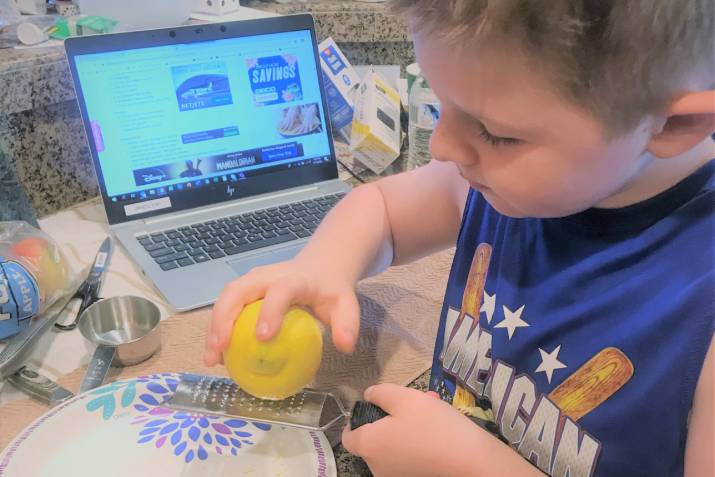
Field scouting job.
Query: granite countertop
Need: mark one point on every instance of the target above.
(315, 5)
(34, 77)
(12, 59)
(344, 20)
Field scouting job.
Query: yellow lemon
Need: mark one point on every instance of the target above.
(278, 368)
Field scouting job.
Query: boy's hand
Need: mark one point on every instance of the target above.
(422, 436)
(329, 296)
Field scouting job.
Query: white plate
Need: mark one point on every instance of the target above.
(122, 430)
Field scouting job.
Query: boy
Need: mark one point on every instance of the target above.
(572, 165)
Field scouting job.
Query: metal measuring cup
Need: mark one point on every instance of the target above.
(126, 332)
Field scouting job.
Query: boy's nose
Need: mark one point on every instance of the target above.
(446, 147)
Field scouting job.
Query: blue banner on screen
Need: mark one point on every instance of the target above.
(274, 79)
(207, 166)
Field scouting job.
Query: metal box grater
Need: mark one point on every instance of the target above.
(308, 409)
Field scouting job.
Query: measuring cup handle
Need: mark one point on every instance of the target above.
(98, 367)
(365, 413)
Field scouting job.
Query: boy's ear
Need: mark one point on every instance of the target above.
(687, 122)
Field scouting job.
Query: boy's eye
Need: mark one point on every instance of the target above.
(495, 140)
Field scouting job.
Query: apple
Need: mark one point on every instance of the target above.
(44, 261)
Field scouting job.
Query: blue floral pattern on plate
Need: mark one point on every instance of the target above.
(191, 435)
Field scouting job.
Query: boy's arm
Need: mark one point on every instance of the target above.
(700, 446)
(395, 220)
(490, 457)
(425, 212)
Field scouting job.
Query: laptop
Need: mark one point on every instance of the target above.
(211, 145)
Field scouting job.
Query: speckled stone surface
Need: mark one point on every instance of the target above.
(14, 204)
(16, 59)
(33, 77)
(314, 5)
(49, 151)
(344, 20)
(379, 53)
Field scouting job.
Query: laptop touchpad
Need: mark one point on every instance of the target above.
(242, 265)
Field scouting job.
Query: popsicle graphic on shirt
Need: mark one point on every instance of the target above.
(586, 389)
(471, 305)
(593, 383)
(582, 392)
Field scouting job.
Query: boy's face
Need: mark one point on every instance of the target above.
(530, 153)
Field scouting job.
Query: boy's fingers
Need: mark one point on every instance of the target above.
(389, 397)
(345, 322)
(351, 441)
(288, 291)
(211, 357)
(234, 297)
(366, 440)
(360, 442)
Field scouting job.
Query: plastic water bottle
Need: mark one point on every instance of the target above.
(424, 114)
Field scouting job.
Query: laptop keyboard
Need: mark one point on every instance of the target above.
(215, 239)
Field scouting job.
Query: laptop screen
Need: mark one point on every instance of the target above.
(182, 125)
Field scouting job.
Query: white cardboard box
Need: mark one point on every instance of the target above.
(340, 80)
(375, 138)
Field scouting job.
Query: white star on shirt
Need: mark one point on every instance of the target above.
(550, 362)
(488, 305)
(512, 320)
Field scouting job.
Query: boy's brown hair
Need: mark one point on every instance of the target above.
(618, 59)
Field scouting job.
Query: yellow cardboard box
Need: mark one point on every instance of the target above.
(375, 138)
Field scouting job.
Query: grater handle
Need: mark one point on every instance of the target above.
(365, 413)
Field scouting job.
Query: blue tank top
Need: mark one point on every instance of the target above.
(579, 340)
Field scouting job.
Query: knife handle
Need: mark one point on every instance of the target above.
(87, 299)
(39, 387)
(98, 367)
